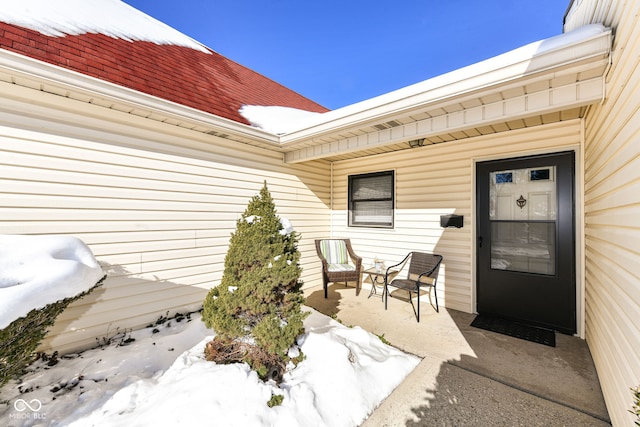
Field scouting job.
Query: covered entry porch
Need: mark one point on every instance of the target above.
(469, 376)
(428, 138)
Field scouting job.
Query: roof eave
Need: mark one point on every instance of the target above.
(451, 86)
(328, 133)
(35, 73)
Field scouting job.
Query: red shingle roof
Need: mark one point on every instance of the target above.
(207, 82)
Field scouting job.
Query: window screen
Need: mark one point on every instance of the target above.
(371, 199)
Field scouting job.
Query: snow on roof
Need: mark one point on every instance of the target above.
(74, 17)
(40, 270)
(274, 119)
(114, 42)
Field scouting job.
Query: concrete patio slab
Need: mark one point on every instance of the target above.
(470, 376)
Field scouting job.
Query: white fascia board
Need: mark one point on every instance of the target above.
(73, 81)
(548, 101)
(591, 41)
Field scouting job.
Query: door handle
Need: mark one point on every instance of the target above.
(479, 241)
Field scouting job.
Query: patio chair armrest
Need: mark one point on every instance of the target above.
(386, 274)
(400, 263)
(428, 273)
(357, 260)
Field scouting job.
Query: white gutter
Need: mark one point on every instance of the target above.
(550, 54)
(586, 42)
(44, 73)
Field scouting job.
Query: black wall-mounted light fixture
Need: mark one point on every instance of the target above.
(415, 143)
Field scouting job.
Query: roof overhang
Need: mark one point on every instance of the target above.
(31, 73)
(547, 81)
(543, 82)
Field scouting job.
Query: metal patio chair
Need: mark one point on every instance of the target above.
(422, 273)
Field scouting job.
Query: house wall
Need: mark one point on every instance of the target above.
(436, 180)
(612, 209)
(155, 203)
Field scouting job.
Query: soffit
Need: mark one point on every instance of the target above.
(551, 90)
(555, 87)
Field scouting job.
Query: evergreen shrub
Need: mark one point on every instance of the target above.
(19, 340)
(636, 405)
(256, 309)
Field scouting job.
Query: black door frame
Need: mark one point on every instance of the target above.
(568, 273)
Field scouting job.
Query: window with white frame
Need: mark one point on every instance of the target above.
(371, 199)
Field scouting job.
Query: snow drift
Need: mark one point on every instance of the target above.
(40, 270)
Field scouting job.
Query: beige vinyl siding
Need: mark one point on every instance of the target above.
(437, 180)
(156, 207)
(583, 12)
(612, 211)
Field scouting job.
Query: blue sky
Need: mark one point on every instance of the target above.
(338, 52)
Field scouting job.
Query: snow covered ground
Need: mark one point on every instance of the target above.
(158, 376)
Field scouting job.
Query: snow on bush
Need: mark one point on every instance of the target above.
(40, 270)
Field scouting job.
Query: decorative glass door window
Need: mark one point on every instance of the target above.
(522, 213)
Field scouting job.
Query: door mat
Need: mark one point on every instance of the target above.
(515, 329)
